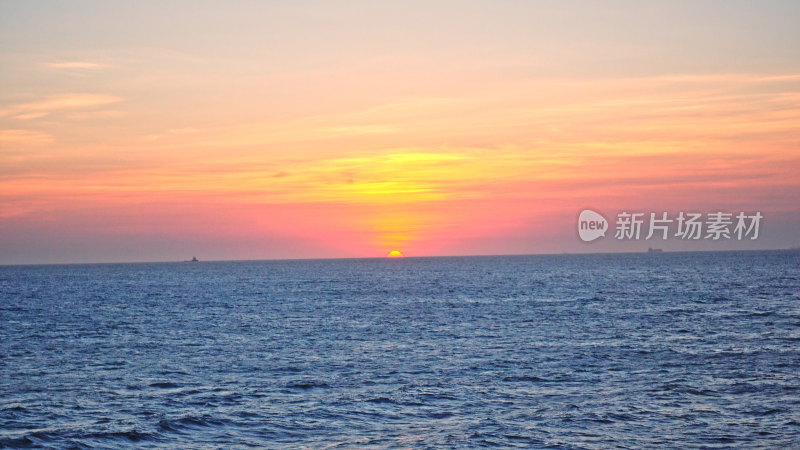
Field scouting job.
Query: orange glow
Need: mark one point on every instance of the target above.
(356, 147)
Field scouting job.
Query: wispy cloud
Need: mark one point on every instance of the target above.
(29, 116)
(173, 132)
(68, 101)
(358, 130)
(24, 138)
(76, 65)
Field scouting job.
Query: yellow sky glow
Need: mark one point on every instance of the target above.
(463, 135)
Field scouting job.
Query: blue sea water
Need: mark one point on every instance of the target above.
(565, 351)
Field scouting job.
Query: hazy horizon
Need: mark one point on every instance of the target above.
(380, 257)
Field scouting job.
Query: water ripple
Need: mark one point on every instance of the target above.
(571, 351)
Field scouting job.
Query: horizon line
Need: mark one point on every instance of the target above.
(786, 249)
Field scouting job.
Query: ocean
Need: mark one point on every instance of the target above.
(681, 350)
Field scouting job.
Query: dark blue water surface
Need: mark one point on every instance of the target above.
(574, 351)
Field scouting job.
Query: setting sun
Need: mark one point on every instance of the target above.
(395, 254)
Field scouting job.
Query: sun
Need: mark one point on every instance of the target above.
(395, 254)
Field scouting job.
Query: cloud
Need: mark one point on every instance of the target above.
(61, 102)
(172, 132)
(29, 116)
(69, 101)
(24, 138)
(95, 114)
(77, 65)
(358, 130)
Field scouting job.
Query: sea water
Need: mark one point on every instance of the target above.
(561, 351)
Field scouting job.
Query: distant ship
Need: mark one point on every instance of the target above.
(194, 259)
(654, 250)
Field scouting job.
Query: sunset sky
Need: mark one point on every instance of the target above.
(158, 131)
